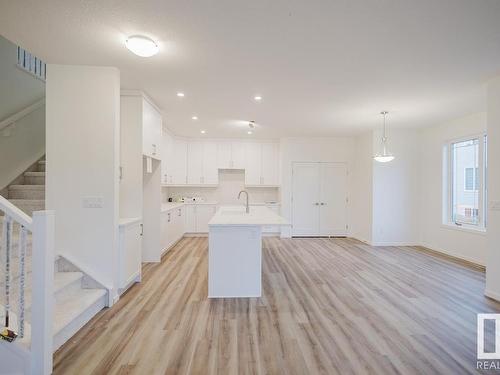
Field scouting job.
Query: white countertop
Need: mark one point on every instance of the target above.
(236, 215)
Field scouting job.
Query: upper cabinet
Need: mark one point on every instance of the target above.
(262, 160)
(231, 155)
(151, 130)
(197, 161)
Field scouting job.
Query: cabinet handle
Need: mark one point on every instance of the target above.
(168, 217)
(179, 212)
(142, 229)
(316, 204)
(154, 149)
(323, 204)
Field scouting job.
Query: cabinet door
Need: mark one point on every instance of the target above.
(210, 170)
(253, 157)
(195, 163)
(238, 155)
(179, 162)
(170, 230)
(152, 130)
(270, 162)
(190, 211)
(224, 155)
(204, 213)
(305, 199)
(333, 199)
(166, 159)
(131, 253)
(178, 223)
(163, 231)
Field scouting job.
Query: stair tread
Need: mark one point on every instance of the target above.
(34, 174)
(27, 187)
(42, 161)
(73, 305)
(63, 279)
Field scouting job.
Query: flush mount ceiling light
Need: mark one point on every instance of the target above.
(180, 94)
(194, 118)
(257, 98)
(385, 156)
(249, 132)
(202, 131)
(142, 46)
(251, 124)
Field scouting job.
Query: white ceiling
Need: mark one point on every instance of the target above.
(323, 67)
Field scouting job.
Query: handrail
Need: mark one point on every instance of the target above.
(15, 213)
(22, 113)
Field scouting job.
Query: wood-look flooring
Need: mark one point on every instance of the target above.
(330, 306)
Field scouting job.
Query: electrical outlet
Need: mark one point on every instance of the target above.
(93, 202)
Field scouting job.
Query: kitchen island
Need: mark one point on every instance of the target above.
(235, 250)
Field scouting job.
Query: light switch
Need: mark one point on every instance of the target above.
(494, 205)
(93, 202)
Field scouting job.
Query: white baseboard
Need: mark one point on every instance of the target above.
(452, 254)
(492, 295)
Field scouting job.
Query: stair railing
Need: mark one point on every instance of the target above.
(42, 228)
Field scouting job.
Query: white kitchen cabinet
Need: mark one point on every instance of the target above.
(130, 250)
(178, 165)
(198, 216)
(270, 164)
(172, 227)
(231, 155)
(202, 163)
(195, 163)
(269, 228)
(253, 170)
(210, 170)
(262, 160)
(151, 130)
(167, 158)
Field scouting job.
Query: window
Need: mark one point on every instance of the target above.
(466, 192)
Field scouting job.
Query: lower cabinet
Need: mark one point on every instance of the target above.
(172, 227)
(198, 216)
(272, 228)
(130, 247)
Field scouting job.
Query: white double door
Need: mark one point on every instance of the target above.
(319, 199)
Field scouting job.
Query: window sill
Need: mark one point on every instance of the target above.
(464, 228)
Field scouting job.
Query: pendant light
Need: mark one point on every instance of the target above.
(385, 156)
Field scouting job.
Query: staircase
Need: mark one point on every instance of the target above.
(77, 297)
(28, 191)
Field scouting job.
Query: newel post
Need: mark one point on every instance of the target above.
(42, 314)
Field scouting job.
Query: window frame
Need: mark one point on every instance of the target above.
(448, 175)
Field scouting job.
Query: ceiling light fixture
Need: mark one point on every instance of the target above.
(202, 131)
(385, 156)
(194, 118)
(257, 98)
(180, 94)
(251, 124)
(249, 132)
(142, 45)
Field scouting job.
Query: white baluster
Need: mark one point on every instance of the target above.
(22, 277)
(6, 245)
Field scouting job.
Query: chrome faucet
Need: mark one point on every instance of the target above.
(246, 192)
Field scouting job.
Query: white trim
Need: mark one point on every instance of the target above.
(16, 214)
(452, 254)
(392, 243)
(465, 228)
(21, 114)
(491, 294)
(85, 270)
(143, 95)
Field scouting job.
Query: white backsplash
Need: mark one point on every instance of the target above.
(231, 182)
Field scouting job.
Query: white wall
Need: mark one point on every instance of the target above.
(83, 123)
(467, 245)
(493, 236)
(396, 190)
(26, 144)
(362, 189)
(340, 149)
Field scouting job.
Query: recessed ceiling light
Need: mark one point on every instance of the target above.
(249, 132)
(194, 118)
(180, 94)
(257, 98)
(202, 131)
(142, 46)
